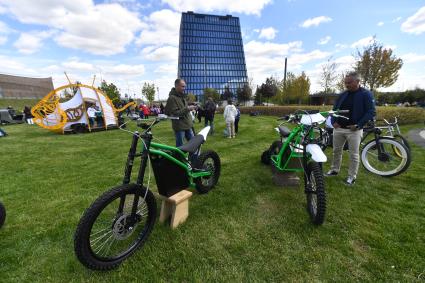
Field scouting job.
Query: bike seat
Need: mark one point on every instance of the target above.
(284, 131)
(192, 145)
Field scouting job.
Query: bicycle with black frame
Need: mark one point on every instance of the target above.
(119, 221)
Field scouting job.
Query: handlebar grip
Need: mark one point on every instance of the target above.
(286, 117)
(343, 111)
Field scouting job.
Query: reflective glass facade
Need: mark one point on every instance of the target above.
(211, 53)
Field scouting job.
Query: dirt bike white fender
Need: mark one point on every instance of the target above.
(316, 153)
(204, 132)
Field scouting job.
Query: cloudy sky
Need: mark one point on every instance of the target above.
(129, 42)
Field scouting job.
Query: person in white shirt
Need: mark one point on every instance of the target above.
(91, 112)
(230, 113)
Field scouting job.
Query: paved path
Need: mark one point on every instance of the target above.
(417, 136)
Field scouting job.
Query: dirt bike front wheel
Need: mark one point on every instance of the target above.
(109, 232)
(315, 193)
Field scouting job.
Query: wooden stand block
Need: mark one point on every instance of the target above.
(176, 207)
(285, 179)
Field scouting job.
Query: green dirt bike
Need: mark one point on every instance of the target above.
(300, 150)
(120, 220)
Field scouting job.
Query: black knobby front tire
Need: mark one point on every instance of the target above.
(208, 160)
(265, 157)
(315, 193)
(2, 214)
(102, 229)
(393, 160)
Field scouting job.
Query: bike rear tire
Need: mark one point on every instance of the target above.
(315, 192)
(394, 159)
(2, 214)
(103, 229)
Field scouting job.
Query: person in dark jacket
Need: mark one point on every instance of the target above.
(177, 106)
(361, 105)
(209, 112)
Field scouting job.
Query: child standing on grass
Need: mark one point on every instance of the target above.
(229, 114)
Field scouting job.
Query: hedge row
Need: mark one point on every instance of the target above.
(406, 115)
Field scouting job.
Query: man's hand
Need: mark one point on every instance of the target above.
(192, 107)
(354, 127)
(336, 125)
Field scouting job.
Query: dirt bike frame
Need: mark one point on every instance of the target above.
(300, 143)
(151, 150)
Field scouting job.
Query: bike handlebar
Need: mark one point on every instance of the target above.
(297, 115)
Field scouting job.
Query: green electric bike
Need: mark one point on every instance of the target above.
(120, 220)
(300, 150)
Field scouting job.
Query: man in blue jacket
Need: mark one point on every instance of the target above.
(361, 105)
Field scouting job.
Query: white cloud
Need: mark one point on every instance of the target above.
(268, 59)
(340, 46)
(166, 53)
(324, 40)
(78, 66)
(396, 19)
(268, 33)
(4, 28)
(415, 24)
(163, 29)
(412, 57)
(380, 24)
(4, 32)
(31, 42)
(102, 29)
(256, 48)
(126, 70)
(362, 42)
(249, 7)
(167, 69)
(13, 66)
(299, 59)
(315, 21)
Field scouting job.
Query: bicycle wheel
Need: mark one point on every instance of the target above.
(315, 193)
(2, 214)
(107, 233)
(209, 161)
(391, 159)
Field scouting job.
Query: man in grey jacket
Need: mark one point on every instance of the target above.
(177, 106)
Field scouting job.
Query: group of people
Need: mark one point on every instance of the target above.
(358, 100)
(178, 106)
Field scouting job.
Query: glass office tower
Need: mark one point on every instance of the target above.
(211, 53)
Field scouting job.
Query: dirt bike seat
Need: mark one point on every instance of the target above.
(284, 131)
(192, 145)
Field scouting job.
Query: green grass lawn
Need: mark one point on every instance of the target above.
(246, 229)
